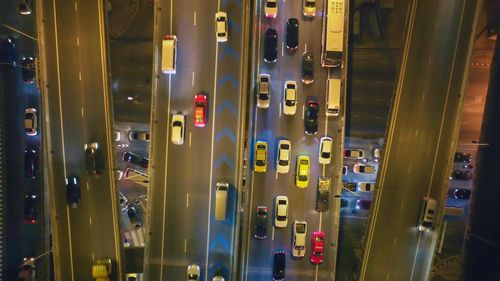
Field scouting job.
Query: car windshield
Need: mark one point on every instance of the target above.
(325, 154)
(177, 124)
(300, 228)
(302, 177)
(271, 4)
(260, 162)
(427, 224)
(283, 162)
(193, 277)
(310, 4)
(263, 96)
(285, 147)
(281, 218)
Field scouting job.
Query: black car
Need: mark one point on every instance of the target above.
(270, 45)
(136, 159)
(261, 222)
(307, 68)
(363, 204)
(93, 159)
(461, 175)
(279, 265)
(463, 157)
(350, 185)
(30, 162)
(311, 117)
(135, 218)
(459, 193)
(28, 69)
(73, 191)
(323, 194)
(292, 34)
(30, 208)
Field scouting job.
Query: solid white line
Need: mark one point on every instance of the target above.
(189, 139)
(185, 245)
(194, 18)
(93, 256)
(187, 200)
(280, 108)
(276, 175)
(316, 273)
(305, 47)
(192, 80)
(272, 233)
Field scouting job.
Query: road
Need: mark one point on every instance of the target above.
(270, 125)
(181, 227)
(421, 140)
(77, 101)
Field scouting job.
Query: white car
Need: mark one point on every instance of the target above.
(271, 9)
(344, 170)
(366, 186)
(30, 122)
(281, 212)
(353, 154)
(325, 150)
(264, 94)
(377, 154)
(117, 135)
(290, 98)
(177, 129)
(299, 238)
(309, 8)
(221, 26)
(283, 161)
(361, 168)
(193, 272)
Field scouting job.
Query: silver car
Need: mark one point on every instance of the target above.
(264, 94)
(193, 272)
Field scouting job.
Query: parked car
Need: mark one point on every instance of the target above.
(459, 193)
(283, 161)
(117, 135)
(264, 94)
(292, 34)
(221, 29)
(177, 129)
(461, 175)
(139, 136)
(271, 9)
(28, 69)
(200, 109)
(73, 194)
(302, 171)
(309, 8)
(279, 265)
(271, 45)
(317, 247)
(311, 117)
(261, 222)
(366, 186)
(135, 218)
(363, 204)
(323, 194)
(193, 272)
(307, 68)
(93, 159)
(30, 208)
(344, 170)
(463, 157)
(9, 52)
(260, 157)
(290, 97)
(360, 168)
(299, 239)
(30, 122)
(349, 185)
(281, 212)
(377, 154)
(136, 159)
(30, 161)
(325, 150)
(353, 154)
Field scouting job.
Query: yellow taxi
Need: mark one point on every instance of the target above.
(260, 157)
(302, 173)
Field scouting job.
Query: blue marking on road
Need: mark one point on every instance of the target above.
(225, 132)
(221, 242)
(226, 104)
(229, 50)
(224, 159)
(228, 77)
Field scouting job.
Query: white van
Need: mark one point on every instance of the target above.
(333, 88)
(221, 200)
(169, 54)
(427, 214)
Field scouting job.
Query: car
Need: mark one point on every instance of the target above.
(27, 270)
(283, 161)
(292, 34)
(325, 150)
(459, 193)
(463, 157)
(270, 45)
(307, 68)
(260, 158)
(73, 194)
(200, 109)
(344, 170)
(134, 217)
(271, 9)
(309, 8)
(311, 117)
(177, 129)
(281, 212)
(117, 135)
(279, 265)
(363, 204)
(361, 168)
(193, 272)
(323, 194)
(317, 247)
(299, 239)
(461, 175)
(28, 69)
(30, 208)
(264, 94)
(136, 159)
(366, 186)
(302, 172)
(353, 154)
(377, 154)
(221, 26)
(139, 136)
(30, 122)
(427, 214)
(218, 278)
(261, 222)
(290, 97)
(93, 161)
(25, 7)
(30, 161)
(123, 202)
(351, 186)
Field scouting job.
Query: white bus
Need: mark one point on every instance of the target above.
(332, 44)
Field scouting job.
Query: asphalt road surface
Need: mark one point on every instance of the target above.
(420, 140)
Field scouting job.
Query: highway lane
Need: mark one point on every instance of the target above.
(79, 112)
(181, 226)
(269, 125)
(420, 141)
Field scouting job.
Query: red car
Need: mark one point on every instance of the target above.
(317, 246)
(200, 109)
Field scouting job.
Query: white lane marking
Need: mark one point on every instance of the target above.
(282, 48)
(93, 256)
(192, 80)
(187, 200)
(280, 108)
(276, 175)
(272, 233)
(78, 41)
(429, 60)
(303, 110)
(416, 133)
(409, 169)
(305, 47)
(90, 220)
(80, 75)
(395, 240)
(402, 205)
(82, 111)
(76, 6)
(387, 276)
(194, 18)
(320, 220)
(189, 139)
(185, 245)
(88, 188)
